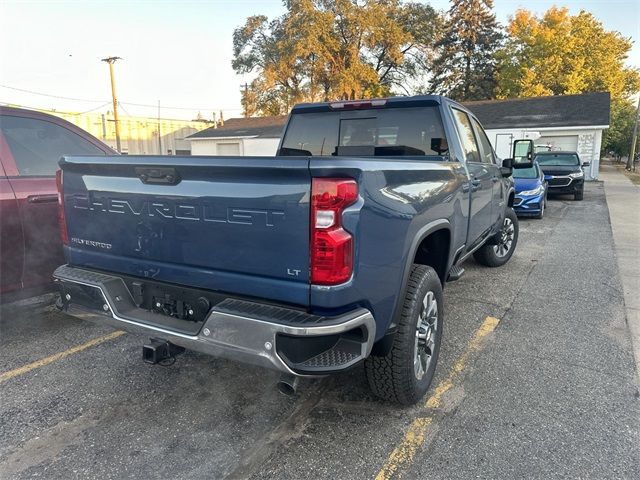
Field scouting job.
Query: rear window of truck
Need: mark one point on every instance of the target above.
(374, 132)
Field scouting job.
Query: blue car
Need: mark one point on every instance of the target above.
(531, 191)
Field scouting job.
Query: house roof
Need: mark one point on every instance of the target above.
(261, 127)
(537, 112)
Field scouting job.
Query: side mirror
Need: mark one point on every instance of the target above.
(523, 153)
(507, 167)
(586, 164)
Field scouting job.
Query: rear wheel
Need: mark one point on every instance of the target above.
(405, 373)
(496, 255)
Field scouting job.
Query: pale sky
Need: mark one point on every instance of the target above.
(178, 52)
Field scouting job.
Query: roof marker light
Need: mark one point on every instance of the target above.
(356, 104)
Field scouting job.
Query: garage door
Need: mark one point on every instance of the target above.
(567, 142)
(228, 149)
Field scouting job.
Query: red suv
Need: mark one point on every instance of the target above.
(31, 143)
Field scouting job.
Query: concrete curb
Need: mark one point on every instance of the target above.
(623, 200)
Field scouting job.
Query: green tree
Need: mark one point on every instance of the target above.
(560, 53)
(466, 64)
(617, 138)
(335, 49)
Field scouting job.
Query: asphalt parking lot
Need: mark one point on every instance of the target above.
(536, 379)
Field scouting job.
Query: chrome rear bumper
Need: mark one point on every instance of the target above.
(249, 332)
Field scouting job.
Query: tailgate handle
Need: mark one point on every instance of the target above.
(158, 175)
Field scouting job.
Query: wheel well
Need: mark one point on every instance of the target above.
(434, 252)
(511, 198)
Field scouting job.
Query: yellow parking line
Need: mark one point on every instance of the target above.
(403, 454)
(414, 438)
(488, 326)
(58, 356)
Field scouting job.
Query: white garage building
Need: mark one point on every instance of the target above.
(562, 122)
(252, 136)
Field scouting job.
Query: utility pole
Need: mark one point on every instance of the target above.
(634, 140)
(159, 132)
(111, 61)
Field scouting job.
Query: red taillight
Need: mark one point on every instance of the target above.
(62, 220)
(331, 245)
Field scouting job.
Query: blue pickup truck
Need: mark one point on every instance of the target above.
(332, 253)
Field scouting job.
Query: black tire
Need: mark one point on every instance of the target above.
(491, 255)
(579, 195)
(395, 376)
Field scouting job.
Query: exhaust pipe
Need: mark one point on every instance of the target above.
(288, 384)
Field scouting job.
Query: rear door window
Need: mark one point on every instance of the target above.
(487, 149)
(37, 145)
(467, 138)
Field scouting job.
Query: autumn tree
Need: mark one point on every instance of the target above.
(617, 138)
(560, 53)
(465, 67)
(335, 49)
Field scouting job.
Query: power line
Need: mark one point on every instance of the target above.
(177, 108)
(125, 103)
(52, 96)
(94, 109)
(64, 112)
(124, 109)
(40, 109)
(12, 104)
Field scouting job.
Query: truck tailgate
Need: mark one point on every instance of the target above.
(234, 224)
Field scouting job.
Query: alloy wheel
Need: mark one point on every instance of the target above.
(426, 329)
(507, 233)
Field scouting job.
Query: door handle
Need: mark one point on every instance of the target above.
(49, 198)
(494, 179)
(475, 184)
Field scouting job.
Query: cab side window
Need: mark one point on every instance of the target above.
(37, 145)
(467, 137)
(487, 150)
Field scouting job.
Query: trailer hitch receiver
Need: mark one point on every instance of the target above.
(158, 350)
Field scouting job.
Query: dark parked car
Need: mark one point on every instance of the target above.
(31, 143)
(563, 172)
(531, 191)
(331, 253)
